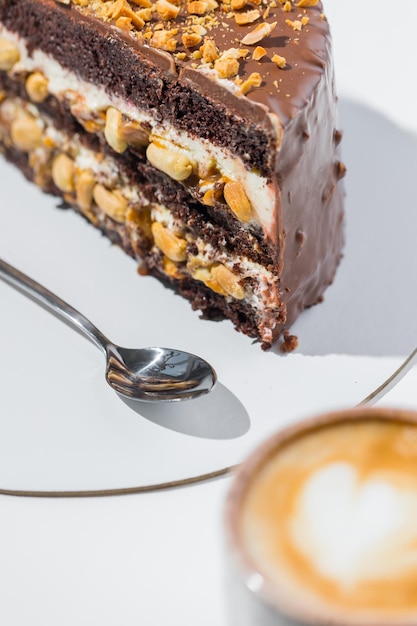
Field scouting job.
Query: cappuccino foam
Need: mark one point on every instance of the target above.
(330, 519)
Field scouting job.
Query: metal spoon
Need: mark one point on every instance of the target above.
(150, 374)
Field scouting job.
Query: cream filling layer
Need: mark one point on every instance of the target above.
(64, 84)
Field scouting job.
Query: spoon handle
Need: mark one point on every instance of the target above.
(53, 303)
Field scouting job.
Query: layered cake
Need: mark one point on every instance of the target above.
(199, 135)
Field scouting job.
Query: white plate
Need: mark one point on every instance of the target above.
(63, 430)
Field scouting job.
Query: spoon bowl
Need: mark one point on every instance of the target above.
(157, 373)
(147, 374)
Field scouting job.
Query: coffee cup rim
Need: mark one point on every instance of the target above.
(248, 574)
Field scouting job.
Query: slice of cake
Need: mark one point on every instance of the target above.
(199, 135)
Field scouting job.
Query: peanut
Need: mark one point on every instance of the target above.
(204, 275)
(254, 80)
(280, 61)
(171, 161)
(63, 173)
(307, 3)
(165, 40)
(257, 34)
(212, 196)
(226, 67)
(209, 51)
(140, 220)
(190, 40)
(84, 190)
(37, 87)
(197, 7)
(112, 130)
(236, 5)
(26, 134)
(237, 200)
(113, 203)
(171, 268)
(172, 246)
(247, 17)
(228, 281)
(166, 10)
(258, 53)
(9, 55)
(134, 134)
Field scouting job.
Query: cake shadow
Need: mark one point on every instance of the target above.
(370, 308)
(217, 415)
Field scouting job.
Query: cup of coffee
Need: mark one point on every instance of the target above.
(321, 524)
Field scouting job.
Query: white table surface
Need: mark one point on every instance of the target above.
(156, 558)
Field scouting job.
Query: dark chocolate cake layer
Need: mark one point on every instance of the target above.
(201, 137)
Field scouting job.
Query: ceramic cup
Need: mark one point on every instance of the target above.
(321, 524)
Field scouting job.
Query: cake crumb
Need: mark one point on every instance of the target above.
(290, 342)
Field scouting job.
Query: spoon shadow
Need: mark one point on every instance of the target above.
(217, 415)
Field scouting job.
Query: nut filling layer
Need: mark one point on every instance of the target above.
(95, 185)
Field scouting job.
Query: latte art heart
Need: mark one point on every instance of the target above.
(353, 530)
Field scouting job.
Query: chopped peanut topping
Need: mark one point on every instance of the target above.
(145, 14)
(165, 40)
(254, 80)
(166, 10)
(191, 39)
(198, 7)
(124, 23)
(142, 3)
(121, 8)
(281, 62)
(295, 24)
(259, 33)
(307, 3)
(258, 53)
(236, 5)
(209, 51)
(248, 17)
(226, 67)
